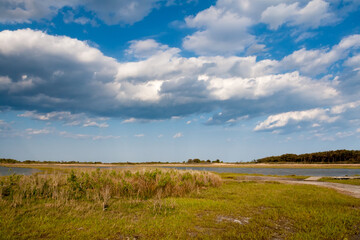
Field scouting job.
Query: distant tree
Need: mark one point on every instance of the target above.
(8, 160)
(196, 160)
(338, 156)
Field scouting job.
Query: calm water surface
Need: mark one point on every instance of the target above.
(5, 171)
(329, 172)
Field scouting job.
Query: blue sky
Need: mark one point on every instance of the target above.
(169, 80)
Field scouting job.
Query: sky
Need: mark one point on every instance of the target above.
(169, 80)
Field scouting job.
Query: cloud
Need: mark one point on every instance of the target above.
(338, 109)
(66, 71)
(344, 134)
(67, 118)
(70, 17)
(224, 32)
(7, 131)
(145, 48)
(31, 131)
(226, 27)
(320, 59)
(66, 134)
(353, 62)
(139, 135)
(4, 126)
(106, 137)
(120, 11)
(294, 117)
(24, 11)
(313, 118)
(130, 120)
(226, 118)
(316, 13)
(178, 135)
(109, 11)
(64, 79)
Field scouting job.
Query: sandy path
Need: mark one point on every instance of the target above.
(351, 190)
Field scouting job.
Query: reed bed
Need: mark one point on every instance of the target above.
(103, 185)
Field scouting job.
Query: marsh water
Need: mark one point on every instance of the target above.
(5, 171)
(326, 172)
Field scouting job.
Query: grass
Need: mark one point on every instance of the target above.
(344, 181)
(103, 185)
(233, 210)
(240, 176)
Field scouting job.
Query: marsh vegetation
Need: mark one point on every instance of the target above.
(351, 181)
(169, 204)
(103, 185)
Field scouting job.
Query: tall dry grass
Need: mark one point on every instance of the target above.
(103, 185)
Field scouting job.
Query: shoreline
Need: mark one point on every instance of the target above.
(211, 165)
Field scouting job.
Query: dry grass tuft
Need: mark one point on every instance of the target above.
(103, 185)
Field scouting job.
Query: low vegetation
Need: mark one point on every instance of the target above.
(241, 176)
(103, 185)
(10, 160)
(234, 210)
(197, 160)
(338, 156)
(146, 203)
(351, 181)
(189, 161)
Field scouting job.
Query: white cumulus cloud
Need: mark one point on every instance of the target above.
(294, 117)
(225, 28)
(77, 84)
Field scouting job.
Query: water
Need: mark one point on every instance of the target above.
(325, 172)
(6, 171)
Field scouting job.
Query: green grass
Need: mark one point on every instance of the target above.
(235, 210)
(240, 176)
(344, 181)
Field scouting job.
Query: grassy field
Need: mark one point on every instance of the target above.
(208, 209)
(344, 181)
(240, 176)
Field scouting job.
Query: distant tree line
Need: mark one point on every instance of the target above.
(197, 160)
(9, 160)
(135, 163)
(338, 156)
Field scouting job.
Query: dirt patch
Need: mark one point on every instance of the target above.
(241, 221)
